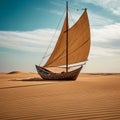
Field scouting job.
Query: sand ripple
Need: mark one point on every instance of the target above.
(91, 97)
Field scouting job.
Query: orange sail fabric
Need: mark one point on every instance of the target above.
(78, 44)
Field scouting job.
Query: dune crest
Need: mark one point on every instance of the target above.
(19, 72)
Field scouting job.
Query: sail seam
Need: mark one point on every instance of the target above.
(59, 57)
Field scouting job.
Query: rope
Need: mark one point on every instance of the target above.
(44, 56)
(71, 17)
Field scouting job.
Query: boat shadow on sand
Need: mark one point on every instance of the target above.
(38, 80)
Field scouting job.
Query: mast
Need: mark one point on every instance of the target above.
(63, 54)
(66, 36)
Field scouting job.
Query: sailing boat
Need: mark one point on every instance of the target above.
(72, 47)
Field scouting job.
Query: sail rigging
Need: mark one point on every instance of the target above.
(79, 43)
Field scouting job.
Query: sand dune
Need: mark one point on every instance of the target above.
(15, 72)
(25, 96)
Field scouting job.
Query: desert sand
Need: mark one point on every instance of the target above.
(25, 96)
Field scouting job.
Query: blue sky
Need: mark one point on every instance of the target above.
(28, 26)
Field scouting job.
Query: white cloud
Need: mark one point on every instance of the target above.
(106, 41)
(103, 52)
(111, 5)
(34, 41)
(107, 33)
(98, 21)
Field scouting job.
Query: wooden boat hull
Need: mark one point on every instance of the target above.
(48, 75)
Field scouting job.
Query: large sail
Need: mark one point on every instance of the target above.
(78, 44)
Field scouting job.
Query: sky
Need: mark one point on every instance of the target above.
(28, 27)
